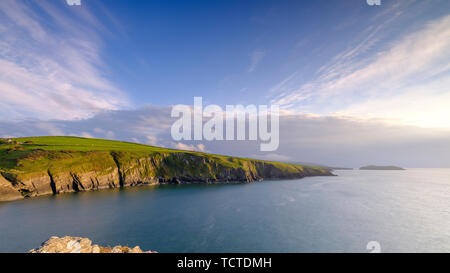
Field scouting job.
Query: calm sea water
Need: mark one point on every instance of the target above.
(405, 211)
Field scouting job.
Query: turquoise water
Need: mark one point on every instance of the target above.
(407, 211)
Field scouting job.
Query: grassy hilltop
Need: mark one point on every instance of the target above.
(35, 166)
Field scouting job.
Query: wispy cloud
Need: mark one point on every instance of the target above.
(190, 147)
(255, 58)
(51, 63)
(369, 82)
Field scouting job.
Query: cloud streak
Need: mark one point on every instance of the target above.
(51, 64)
(368, 82)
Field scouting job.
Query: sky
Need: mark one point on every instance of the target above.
(357, 84)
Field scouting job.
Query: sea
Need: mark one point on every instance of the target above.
(355, 211)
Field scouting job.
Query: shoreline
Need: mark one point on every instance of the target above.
(158, 184)
(38, 166)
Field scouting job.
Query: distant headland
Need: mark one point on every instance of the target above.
(382, 168)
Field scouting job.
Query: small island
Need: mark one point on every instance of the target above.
(382, 168)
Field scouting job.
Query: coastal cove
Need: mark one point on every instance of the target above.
(313, 214)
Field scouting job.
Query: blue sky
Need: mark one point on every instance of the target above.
(65, 66)
(239, 51)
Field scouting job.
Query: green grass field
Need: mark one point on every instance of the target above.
(57, 143)
(29, 148)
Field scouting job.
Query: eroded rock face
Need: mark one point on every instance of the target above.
(64, 171)
(69, 244)
(7, 191)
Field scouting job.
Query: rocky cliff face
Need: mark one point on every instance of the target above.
(53, 172)
(70, 244)
(7, 191)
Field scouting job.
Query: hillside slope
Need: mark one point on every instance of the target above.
(51, 165)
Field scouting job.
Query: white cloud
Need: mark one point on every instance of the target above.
(73, 2)
(52, 74)
(201, 147)
(152, 140)
(425, 105)
(408, 77)
(190, 147)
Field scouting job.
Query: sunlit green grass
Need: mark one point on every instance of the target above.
(32, 153)
(52, 143)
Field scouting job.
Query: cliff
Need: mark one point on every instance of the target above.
(52, 165)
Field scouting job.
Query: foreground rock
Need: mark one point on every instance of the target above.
(70, 244)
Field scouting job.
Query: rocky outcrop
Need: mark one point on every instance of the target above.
(70, 244)
(52, 172)
(7, 191)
